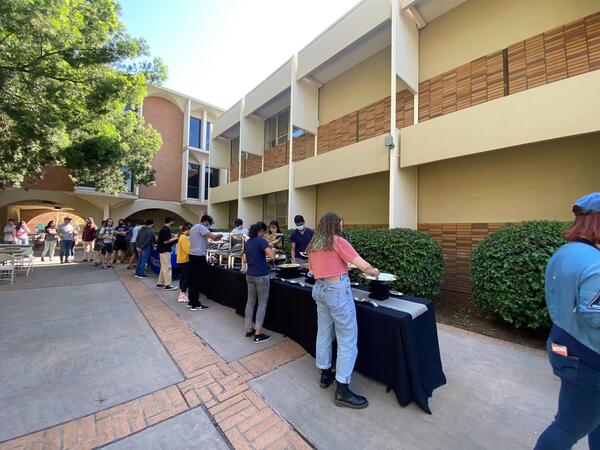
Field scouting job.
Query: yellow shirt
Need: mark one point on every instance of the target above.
(183, 249)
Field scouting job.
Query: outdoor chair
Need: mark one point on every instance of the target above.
(23, 258)
(7, 268)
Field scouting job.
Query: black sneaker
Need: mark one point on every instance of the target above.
(251, 333)
(262, 337)
(43, 259)
(202, 307)
(188, 305)
(160, 285)
(169, 287)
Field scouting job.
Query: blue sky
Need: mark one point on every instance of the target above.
(218, 50)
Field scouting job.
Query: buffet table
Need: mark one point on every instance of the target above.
(393, 349)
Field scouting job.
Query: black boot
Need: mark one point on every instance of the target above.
(345, 397)
(327, 377)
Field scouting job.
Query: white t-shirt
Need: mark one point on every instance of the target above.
(239, 230)
(107, 234)
(135, 232)
(8, 232)
(66, 231)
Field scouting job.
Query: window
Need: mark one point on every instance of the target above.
(195, 130)
(193, 189)
(207, 137)
(275, 207)
(128, 179)
(276, 128)
(211, 179)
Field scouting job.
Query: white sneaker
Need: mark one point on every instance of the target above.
(182, 298)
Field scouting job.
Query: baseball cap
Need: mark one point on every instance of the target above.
(587, 204)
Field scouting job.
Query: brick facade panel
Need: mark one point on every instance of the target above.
(303, 147)
(276, 156)
(234, 171)
(251, 164)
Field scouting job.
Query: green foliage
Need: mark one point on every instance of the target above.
(68, 68)
(508, 272)
(413, 256)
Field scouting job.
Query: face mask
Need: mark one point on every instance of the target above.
(300, 227)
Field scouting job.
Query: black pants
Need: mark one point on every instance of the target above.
(184, 279)
(198, 272)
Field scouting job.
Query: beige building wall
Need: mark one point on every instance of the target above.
(479, 27)
(536, 181)
(365, 83)
(360, 201)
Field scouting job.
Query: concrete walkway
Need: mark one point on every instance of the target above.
(94, 358)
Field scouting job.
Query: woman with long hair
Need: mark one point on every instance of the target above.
(21, 233)
(572, 285)
(50, 239)
(88, 236)
(275, 237)
(183, 260)
(256, 252)
(328, 257)
(107, 234)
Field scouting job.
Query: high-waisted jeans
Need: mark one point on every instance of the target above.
(336, 317)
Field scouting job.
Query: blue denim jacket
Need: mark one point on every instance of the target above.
(573, 292)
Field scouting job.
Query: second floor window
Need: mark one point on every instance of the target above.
(193, 190)
(195, 131)
(211, 179)
(277, 128)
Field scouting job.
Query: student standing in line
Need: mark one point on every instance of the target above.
(300, 238)
(166, 240)
(107, 234)
(132, 247)
(183, 260)
(121, 232)
(75, 240)
(328, 257)
(10, 236)
(572, 285)
(144, 243)
(65, 232)
(88, 236)
(50, 238)
(21, 233)
(256, 252)
(275, 235)
(199, 235)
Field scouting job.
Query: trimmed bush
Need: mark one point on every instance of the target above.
(507, 272)
(413, 256)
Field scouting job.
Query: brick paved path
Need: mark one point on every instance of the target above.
(220, 388)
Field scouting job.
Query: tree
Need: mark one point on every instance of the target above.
(68, 72)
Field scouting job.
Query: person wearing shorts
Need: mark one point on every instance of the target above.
(120, 242)
(107, 234)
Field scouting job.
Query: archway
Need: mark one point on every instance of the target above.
(156, 214)
(160, 210)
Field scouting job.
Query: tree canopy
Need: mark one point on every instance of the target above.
(70, 75)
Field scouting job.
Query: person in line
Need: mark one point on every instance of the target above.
(183, 260)
(199, 235)
(88, 236)
(107, 234)
(132, 247)
(121, 232)
(50, 238)
(238, 227)
(10, 236)
(256, 252)
(274, 235)
(21, 233)
(75, 240)
(166, 240)
(98, 244)
(572, 285)
(144, 243)
(328, 257)
(65, 233)
(300, 239)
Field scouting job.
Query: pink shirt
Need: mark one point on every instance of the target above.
(22, 232)
(328, 263)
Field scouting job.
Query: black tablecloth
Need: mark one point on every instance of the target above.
(393, 348)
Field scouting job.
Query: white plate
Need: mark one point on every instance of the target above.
(383, 276)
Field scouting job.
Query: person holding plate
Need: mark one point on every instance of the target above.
(328, 257)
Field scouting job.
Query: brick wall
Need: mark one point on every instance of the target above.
(53, 179)
(251, 164)
(565, 51)
(276, 156)
(234, 172)
(458, 240)
(303, 147)
(369, 121)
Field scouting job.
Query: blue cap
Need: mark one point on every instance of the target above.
(587, 204)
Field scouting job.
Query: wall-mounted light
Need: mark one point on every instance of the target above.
(389, 141)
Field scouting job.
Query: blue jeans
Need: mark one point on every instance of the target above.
(140, 268)
(65, 249)
(336, 317)
(578, 405)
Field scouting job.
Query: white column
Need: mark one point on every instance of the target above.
(203, 132)
(187, 113)
(106, 209)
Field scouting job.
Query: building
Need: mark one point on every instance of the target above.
(183, 172)
(451, 116)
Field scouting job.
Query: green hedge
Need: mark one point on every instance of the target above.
(507, 272)
(413, 256)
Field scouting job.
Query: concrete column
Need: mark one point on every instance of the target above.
(187, 113)
(303, 201)
(203, 132)
(106, 209)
